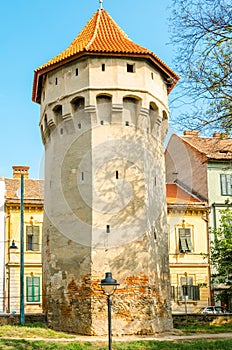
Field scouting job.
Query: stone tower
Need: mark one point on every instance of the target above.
(104, 116)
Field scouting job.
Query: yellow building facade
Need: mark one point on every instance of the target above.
(33, 219)
(188, 250)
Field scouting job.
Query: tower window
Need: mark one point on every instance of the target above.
(130, 68)
(77, 72)
(102, 122)
(127, 123)
(61, 131)
(56, 81)
(107, 228)
(116, 174)
(103, 67)
(82, 176)
(79, 125)
(152, 75)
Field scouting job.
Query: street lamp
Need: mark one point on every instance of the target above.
(109, 285)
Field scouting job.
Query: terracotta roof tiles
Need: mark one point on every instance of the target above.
(212, 147)
(101, 35)
(175, 194)
(33, 190)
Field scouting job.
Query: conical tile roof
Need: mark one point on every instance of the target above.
(101, 35)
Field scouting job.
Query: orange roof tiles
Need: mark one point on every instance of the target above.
(101, 35)
(33, 191)
(212, 147)
(175, 194)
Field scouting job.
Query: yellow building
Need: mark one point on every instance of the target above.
(188, 248)
(33, 219)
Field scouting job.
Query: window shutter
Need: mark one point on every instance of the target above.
(228, 183)
(223, 184)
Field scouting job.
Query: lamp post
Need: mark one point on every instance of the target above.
(22, 317)
(109, 285)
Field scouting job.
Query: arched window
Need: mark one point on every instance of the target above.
(153, 113)
(130, 110)
(78, 104)
(104, 109)
(58, 113)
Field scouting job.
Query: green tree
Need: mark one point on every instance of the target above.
(201, 32)
(221, 253)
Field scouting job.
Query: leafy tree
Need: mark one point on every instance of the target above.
(201, 32)
(221, 253)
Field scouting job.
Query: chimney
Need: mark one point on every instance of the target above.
(18, 170)
(220, 135)
(191, 133)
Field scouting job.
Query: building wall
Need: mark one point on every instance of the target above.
(216, 199)
(187, 166)
(2, 244)
(192, 265)
(32, 259)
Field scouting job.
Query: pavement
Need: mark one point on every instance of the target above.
(160, 337)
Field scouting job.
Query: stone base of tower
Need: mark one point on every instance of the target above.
(139, 310)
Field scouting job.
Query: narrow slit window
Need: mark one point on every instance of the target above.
(107, 228)
(130, 68)
(103, 67)
(155, 235)
(117, 174)
(61, 131)
(82, 176)
(77, 71)
(152, 75)
(102, 122)
(56, 81)
(79, 125)
(127, 123)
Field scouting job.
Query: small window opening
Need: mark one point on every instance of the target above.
(56, 82)
(148, 130)
(103, 67)
(77, 72)
(79, 125)
(61, 131)
(155, 236)
(43, 95)
(102, 122)
(130, 68)
(152, 75)
(107, 228)
(82, 176)
(155, 180)
(127, 123)
(117, 174)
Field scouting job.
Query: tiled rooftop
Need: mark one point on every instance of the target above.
(33, 190)
(212, 147)
(102, 35)
(175, 194)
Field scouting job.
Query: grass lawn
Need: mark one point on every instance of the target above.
(138, 345)
(41, 331)
(212, 329)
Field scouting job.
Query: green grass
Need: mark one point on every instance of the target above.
(138, 345)
(211, 329)
(31, 331)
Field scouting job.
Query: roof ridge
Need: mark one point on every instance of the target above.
(95, 30)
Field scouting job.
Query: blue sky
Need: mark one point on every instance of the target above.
(31, 33)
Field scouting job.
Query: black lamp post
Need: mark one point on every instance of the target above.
(109, 285)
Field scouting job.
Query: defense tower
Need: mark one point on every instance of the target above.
(104, 116)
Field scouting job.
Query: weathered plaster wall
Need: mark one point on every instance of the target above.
(105, 199)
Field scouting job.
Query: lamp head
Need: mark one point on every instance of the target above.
(108, 284)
